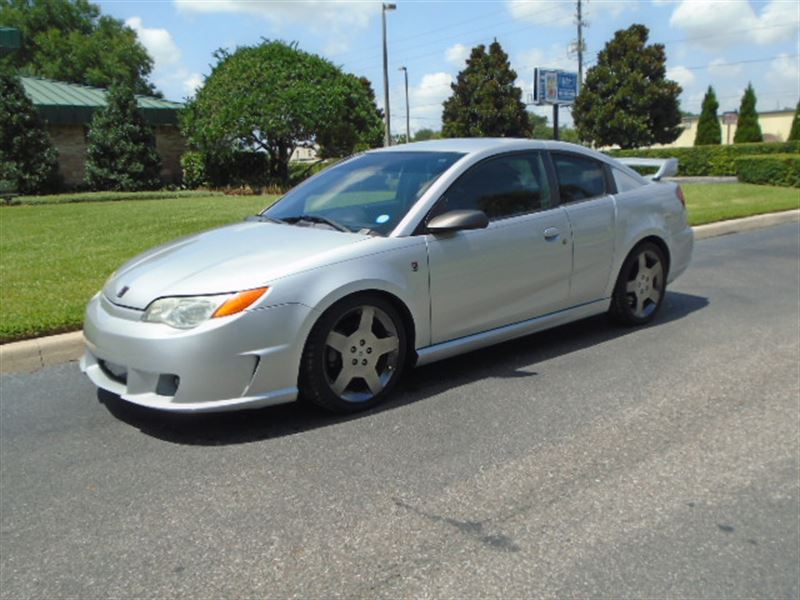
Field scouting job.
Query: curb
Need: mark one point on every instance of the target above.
(32, 355)
(746, 224)
(35, 354)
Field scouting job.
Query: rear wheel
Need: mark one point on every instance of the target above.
(640, 287)
(354, 355)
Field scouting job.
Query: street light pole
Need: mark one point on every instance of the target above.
(408, 110)
(387, 137)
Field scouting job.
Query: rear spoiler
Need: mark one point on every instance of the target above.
(667, 167)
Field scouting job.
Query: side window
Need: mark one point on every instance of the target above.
(501, 187)
(625, 182)
(579, 177)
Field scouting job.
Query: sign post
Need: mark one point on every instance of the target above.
(730, 118)
(556, 87)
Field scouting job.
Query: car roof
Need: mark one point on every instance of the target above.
(488, 146)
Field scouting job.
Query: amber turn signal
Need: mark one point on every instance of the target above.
(239, 302)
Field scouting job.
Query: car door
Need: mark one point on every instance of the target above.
(515, 269)
(585, 196)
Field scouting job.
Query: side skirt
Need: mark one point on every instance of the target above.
(475, 341)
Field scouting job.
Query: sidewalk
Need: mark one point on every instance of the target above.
(35, 354)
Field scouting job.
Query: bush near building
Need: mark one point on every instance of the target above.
(711, 160)
(770, 169)
(121, 153)
(28, 161)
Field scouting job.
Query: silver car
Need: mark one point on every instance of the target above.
(395, 257)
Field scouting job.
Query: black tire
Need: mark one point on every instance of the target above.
(341, 347)
(639, 293)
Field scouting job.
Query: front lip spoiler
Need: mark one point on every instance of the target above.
(94, 372)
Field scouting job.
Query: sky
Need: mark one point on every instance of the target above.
(723, 43)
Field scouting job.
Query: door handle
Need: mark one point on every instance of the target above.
(551, 233)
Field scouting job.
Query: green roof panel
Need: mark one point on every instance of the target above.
(63, 103)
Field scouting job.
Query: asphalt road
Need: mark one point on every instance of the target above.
(588, 461)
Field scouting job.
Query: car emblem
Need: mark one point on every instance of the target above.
(122, 292)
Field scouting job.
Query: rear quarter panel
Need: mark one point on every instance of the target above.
(651, 210)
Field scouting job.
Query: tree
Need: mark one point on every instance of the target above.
(709, 131)
(747, 127)
(425, 134)
(273, 96)
(542, 130)
(794, 134)
(70, 41)
(361, 126)
(626, 99)
(121, 152)
(28, 160)
(485, 101)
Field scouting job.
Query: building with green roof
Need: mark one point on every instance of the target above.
(68, 108)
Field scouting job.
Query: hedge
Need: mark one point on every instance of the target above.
(711, 160)
(241, 168)
(770, 169)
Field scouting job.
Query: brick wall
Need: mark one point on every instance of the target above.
(170, 145)
(70, 141)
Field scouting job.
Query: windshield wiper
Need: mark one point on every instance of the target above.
(318, 219)
(264, 219)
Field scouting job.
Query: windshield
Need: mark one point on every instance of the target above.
(372, 192)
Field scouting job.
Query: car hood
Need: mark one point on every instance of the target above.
(228, 259)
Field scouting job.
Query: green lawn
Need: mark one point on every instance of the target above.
(710, 202)
(56, 252)
(54, 257)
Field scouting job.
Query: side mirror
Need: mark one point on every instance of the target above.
(458, 220)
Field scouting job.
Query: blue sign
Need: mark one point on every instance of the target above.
(553, 86)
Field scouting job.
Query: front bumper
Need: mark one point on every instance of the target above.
(248, 360)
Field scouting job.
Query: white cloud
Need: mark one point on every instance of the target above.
(317, 14)
(192, 83)
(542, 12)
(682, 75)
(158, 42)
(720, 69)
(457, 54)
(169, 74)
(426, 102)
(716, 24)
(784, 74)
(561, 13)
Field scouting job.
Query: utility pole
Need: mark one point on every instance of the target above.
(387, 137)
(580, 44)
(408, 110)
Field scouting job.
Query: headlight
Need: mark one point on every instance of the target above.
(185, 312)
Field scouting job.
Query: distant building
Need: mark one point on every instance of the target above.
(304, 153)
(775, 127)
(67, 109)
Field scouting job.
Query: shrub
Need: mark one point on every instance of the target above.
(28, 161)
(709, 130)
(747, 128)
(711, 160)
(794, 133)
(236, 169)
(121, 153)
(193, 170)
(770, 169)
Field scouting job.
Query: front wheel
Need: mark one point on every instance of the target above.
(354, 355)
(640, 286)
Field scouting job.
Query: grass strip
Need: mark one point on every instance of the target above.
(712, 202)
(54, 257)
